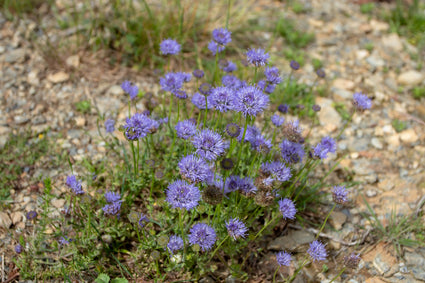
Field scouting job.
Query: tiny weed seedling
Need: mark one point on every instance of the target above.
(418, 92)
(84, 106)
(398, 125)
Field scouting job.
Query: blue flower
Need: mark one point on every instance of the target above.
(277, 120)
(283, 258)
(175, 243)
(130, 89)
(222, 36)
(172, 81)
(292, 152)
(199, 101)
(256, 139)
(287, 208)
(340, 194)
(110, 125)
(139, 126)
(112, 197)
(185, 129)
(233, 130)
(361, 101)
(194, 168)
(278, 170)
(250, 101)
(231, 81)
(72, 183)
(31, 215)
(112, 209)
(283, 108)
(257, 57)
(230, 67)
(222, 98)
(294, 65)
(169, 47)
(236, 228)
(181, 194)
(326, 145)
(266, 87)
(317, 251)
(143, 218)
(272, 75)
(209, 144)
(199, 74)
(203, 235)
(18, 248)
(205, 89)
(214, 47)
(64, 240)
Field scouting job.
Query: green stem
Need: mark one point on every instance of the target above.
(229, 3)
(267, 225)
(219, 245)
(242, 141)
(206, 112)
(297, 271)
(274, 275)
(324, 223)
(339, 274)
(169, 109)
(345, 126)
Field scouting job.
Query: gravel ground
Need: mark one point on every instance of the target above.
(388, 164)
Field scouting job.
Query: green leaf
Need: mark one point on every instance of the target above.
(119, 280)
(102, 278)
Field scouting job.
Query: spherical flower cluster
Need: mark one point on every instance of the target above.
(139, 126)
(235, 183)
(199, 74)
(130, 89)
(320, 73)
(229, 67)
(19, 248)
(143, 218)
(64, 240)
(250, 101)
(231, 81)
(352, 260)
(175, 243)
(272, 75)
(326, 145)
(266, 87)
(181, 194)
(209, 144)
(194, 168)
(110, 125)
(173, 82)
(283, 108)
(222, 36)
(185, 129)
(72, 183)
(287, 208)
(169, 47)
(294, 65)
(292, 152)
(31, 215)
(277, 170)
(227, 163)
(205, 89)
(236, 228)
(340, 194)
(257, 57)
(199, 101)
(292, 131)
(214, 47)
(317, 251)
(233, 130)
(114, 203)
(283, 258)
(222, 98)
(258, 142)
(361, 101)
(203, 235)
(277, 120)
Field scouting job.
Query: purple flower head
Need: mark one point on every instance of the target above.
(287, 208)
(181, 194)
(317, 251)
(112, 197)
(326, 145)
(163, 120)
(139, 126)
(185, 129)
(31, 215)
(221, 36)
(199, 101)
(294, 65)
(180, 94)
(340, 194)
(172, 81)
(130, 88)
(222, 98)
(283, 258)
(257, 57)
(272, 75)
(277, 120)
(277, 170)
(227, 163)
(292, 152)
(199, 74)
(214, 47)
(320, 73)
(203, 235)
(231, 81)
(169, 47)
(175, 243)
(110, 125)
(270, 88)
(112, 208)
(233, 183)
(194, 168)
(283, 108)
(143, 218)
(250, 101)
(246, 186)
(229, 67)
(256, 139)
(18, 248)
(233, 130)
(209, 144)
(236, 228)
(361, 101)
(64, 240)
(316, 108)
(72, 183)
(352, 260)
(205, 89)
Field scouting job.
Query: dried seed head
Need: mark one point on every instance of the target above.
(212, 195)
(227, 163)
(163, 240)
(133, 216)
(263, 198)
(292, 132)
(352, 260)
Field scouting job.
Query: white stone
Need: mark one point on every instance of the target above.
(392, 42)
(377, 143)
(58, 77)
(410, 78)
(73, 61)
(409, 136)
(328, 116)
